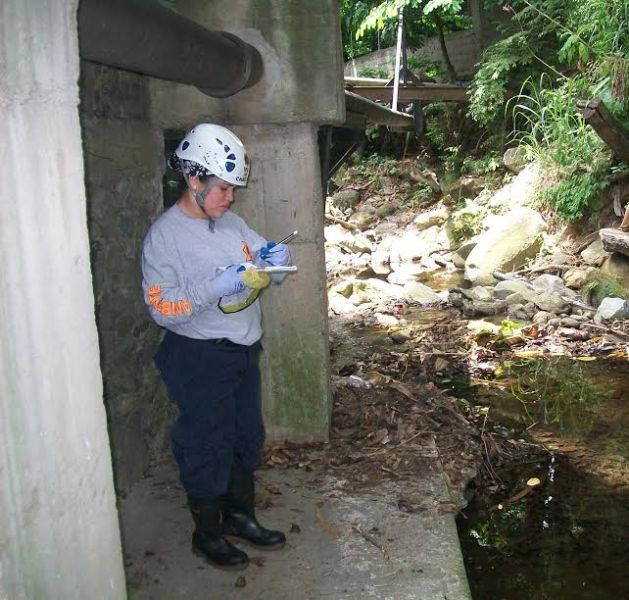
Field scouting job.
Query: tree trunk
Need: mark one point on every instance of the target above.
(452, 76)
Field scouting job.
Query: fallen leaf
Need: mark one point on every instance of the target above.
(240, 582)
(294, 528)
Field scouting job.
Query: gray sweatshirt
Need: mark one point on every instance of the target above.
(180, 257)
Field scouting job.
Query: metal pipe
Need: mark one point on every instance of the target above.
(376, 113)
(145, 37)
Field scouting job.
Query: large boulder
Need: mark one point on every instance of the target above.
(520, 191)
(612, 308)
(413, 245)
(618, 267)
(507, 244)
(594, 254)
(615, 240)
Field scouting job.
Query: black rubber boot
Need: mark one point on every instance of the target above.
(239, 515)
(207, 539)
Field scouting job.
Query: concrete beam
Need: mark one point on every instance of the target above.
(59, 535)
(300, 44)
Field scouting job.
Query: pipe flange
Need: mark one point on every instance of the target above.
(250, 55)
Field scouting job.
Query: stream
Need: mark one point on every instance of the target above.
(566, 538)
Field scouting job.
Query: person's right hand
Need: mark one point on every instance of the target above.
(229, 282)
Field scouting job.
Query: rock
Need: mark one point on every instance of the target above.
(386, 320)
(504, 289)
(353, 242)
(340, 305)
(516, 298)
(530, 310)
(380, 262)
(615, 240)
(551, 303)
(344, 199)
(594, 254)
(542, 317)
(377, 289)
(612, 308)
(514, 159)
(549, 283)
(438, 216)
(466, 222)
(388, 208)
(575, 278)
(470, 308)
(418, 292)
(617, 266)
(362, 219)
(480, 292)
(413, 244)
(425, 177)
(516, 311)
(471, 185)
(520, 191)
(511, 240)
(601, 285)
(570, 322)
(462, 252)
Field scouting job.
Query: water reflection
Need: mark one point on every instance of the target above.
(567, 539)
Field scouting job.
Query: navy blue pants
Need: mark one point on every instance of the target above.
(216, 386)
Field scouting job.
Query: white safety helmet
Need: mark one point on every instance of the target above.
(216, 150)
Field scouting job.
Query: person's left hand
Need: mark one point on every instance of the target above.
(277, 255)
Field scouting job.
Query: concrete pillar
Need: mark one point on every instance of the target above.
(284, 194)
(278, 119)
(123, 164)
(59, 536)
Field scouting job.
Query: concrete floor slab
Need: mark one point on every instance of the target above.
(341, 546)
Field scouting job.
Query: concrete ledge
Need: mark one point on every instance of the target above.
(340, 546)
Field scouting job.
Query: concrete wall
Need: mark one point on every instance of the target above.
(464, 47)
(59, 536)
(123, 162)
(277, 120)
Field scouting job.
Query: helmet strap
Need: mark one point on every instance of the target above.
(200, 196)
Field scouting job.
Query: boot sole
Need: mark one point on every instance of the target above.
(233, 539)
(239, 567)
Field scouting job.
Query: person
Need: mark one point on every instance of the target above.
(191, 270)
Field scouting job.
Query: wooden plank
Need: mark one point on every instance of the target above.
(427, 92)
(596, 114)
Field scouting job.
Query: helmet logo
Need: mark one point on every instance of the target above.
(185, 145)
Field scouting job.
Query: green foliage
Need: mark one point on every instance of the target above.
(368, 25)
(465, 224)
(424, 66)
(373, 72)
(572, 197)
(499, 65)
(422, 196)
(549, 127)
(482, 165)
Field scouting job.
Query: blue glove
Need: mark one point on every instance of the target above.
(277, 255)
(228, 282)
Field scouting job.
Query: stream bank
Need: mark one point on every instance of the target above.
(512, 377)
